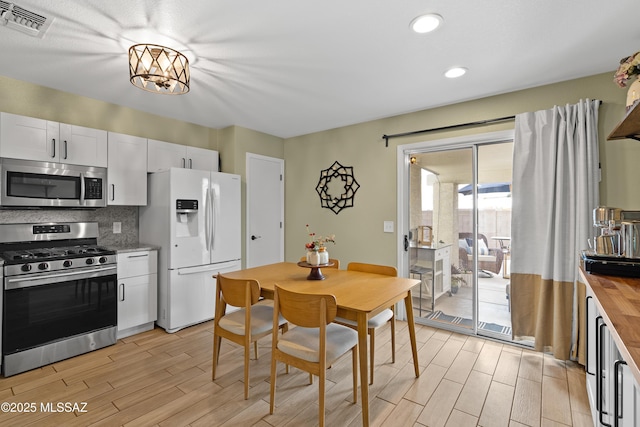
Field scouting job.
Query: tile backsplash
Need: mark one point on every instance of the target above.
(105, 217)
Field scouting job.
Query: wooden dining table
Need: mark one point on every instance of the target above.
(359, 296)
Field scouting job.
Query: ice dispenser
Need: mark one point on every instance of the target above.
(186, 217)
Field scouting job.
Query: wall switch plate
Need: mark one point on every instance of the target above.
(388, 226)
(117, 227)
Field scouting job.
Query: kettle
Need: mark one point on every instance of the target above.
(630, 236)
(607, 244)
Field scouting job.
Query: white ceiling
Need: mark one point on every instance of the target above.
(292, 67)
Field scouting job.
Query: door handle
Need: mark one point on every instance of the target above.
(406, 243)
(254, 237)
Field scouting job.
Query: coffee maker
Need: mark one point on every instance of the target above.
(615, 250)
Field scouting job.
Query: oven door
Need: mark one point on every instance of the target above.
(41, 184)
(46, 307)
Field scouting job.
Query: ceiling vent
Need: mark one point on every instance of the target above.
(31, 23)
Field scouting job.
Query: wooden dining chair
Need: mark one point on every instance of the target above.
(315, 343)
(379, 319)
(247, 325)
(335, 262)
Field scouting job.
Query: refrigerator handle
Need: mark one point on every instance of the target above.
(213, 218)
(207, 230)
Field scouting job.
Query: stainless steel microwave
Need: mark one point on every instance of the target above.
(30, 184)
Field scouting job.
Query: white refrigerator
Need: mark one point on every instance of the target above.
(193, 216)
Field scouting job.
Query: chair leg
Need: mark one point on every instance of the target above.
(321, 397)
(216, 355)
(273, 384)
(246, 371)
(372, 345)
(354, 363)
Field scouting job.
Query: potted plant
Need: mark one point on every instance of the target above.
(457, 279)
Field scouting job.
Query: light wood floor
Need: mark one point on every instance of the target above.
(164, 379)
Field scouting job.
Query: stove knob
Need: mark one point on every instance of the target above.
(102, 259)
(26, 267)
(43, 266)
(67, 263)
(90, 261)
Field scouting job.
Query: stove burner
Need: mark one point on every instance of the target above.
(47, 254)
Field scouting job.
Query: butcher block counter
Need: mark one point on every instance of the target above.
(618, 300)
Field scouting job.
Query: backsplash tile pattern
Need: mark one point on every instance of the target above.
(105, 217)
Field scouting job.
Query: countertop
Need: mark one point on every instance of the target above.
(133, 248)
(618, 300)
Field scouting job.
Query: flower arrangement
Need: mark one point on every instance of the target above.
(317, 242)
(629, 66)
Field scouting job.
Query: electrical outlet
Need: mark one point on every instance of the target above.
(388, 226)
(117, 227)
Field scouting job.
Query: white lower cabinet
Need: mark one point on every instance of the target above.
(613, 392)
(137, 292)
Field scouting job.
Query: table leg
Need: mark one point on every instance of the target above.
(412, 332)
(364, 369)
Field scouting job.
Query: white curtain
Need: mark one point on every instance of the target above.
(555, 189)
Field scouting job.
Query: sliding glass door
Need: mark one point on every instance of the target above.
(459, 209)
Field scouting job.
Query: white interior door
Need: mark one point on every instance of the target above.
(265, 210)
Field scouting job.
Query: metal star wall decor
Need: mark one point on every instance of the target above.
(344, 176)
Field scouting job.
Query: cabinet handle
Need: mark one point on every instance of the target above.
(122, 285)
(137, 256)
(113, 192)
(53, 142)
(184, 162)
(617, 400)
(66, 150)
(600, 359)
(190, 163)
(586, 353)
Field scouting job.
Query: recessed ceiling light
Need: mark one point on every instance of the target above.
(426, 23)
(452, 73)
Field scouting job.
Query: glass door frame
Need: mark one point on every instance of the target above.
(404, 153)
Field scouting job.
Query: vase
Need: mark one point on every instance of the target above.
(324, 256)
(313, 258)
(633, 93)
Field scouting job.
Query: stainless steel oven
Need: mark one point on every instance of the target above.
(28, 183)
(59, 294)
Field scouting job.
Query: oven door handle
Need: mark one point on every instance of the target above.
(27, 282)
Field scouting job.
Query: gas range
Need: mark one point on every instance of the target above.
(59, 294)
(51, 247)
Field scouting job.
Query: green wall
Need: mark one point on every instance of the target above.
(359, 230)
(27, 99)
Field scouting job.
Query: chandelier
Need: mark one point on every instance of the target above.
(158, 69)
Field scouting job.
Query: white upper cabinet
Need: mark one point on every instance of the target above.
(82, 146)
(30, 138)
(127, 170)
(164, 155)
(202, 159)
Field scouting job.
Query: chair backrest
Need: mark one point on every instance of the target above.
(470, 236)
(235, 291)
(336, 262)
(306, 310)
(387, 270)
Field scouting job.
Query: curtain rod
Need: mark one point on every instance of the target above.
(416, 132)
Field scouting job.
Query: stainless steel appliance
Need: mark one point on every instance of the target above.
(616, 247)
(59, 293)
(30, 184)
